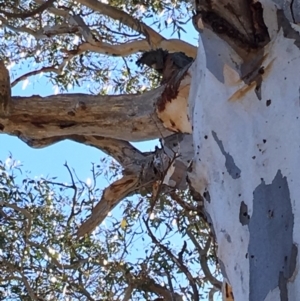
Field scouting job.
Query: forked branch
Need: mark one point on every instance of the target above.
(153, 38)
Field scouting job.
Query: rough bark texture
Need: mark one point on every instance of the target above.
(126, 117)
(245, 107)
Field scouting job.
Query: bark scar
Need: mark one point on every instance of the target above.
(255, 79)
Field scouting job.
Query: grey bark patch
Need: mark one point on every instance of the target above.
(244, 216)
(285, 6)
(271, 250)
(288, 30)
(214, 56)
(179, 143)
(232, 169)
(178, 177)
(291, 9)
(227, 236)
(295, 10)
(218, 54)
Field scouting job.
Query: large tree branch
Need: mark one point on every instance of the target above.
(125, 117)
(124, 49)
(111, 197)
(133, 117)
(122, 151)
(153, 38)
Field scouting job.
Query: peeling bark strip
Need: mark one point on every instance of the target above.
(172, 106)
(227, 292)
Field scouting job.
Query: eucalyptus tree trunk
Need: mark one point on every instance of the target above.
(245, 103)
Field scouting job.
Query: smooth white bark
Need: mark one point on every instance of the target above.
(247, 162)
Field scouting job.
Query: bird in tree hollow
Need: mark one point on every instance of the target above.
(164, 63)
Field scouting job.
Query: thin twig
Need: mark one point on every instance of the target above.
(31, 13)
(127, 293)
(56, 69)
(23, 211)
(203, 260)
(179, 263)
(29, 289)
